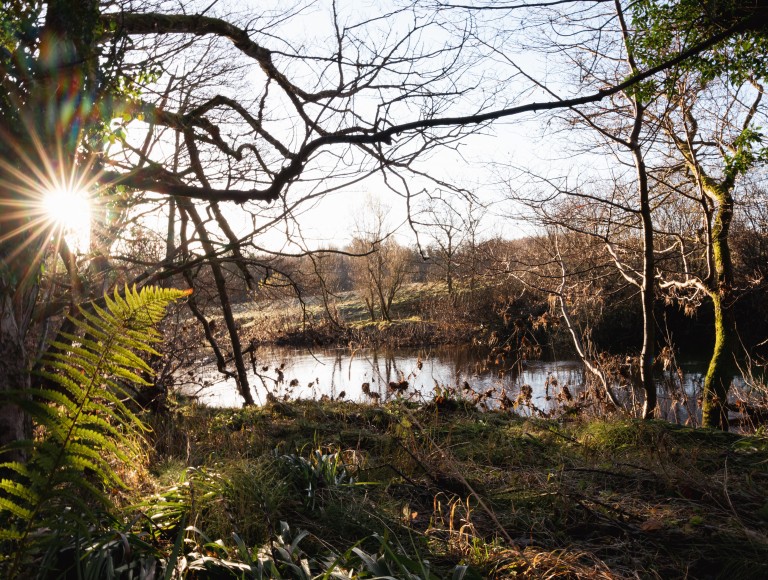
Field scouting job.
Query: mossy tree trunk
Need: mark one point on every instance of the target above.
(721, 366)
(716, 197)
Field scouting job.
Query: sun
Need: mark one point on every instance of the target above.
(70, 211)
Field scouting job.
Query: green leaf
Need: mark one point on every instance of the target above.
(84, 424)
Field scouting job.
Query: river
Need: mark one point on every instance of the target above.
(289, 373)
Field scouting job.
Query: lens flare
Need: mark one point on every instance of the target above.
(44, 174)
(45, 200)
(69, 210)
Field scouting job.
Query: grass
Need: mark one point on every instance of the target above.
(499, 493)
(350, 305)
(285, 322)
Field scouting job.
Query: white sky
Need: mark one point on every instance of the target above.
(481, 163)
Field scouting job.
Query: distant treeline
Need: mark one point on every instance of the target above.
(506, 287)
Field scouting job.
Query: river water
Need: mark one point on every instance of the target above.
(289, 374)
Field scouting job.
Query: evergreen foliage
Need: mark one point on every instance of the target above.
(84, 427)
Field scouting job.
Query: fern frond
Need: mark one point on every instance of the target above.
(84, 421)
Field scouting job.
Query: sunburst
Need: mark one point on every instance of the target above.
(68, 209)
(45, 199)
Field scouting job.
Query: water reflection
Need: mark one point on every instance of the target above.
(365, 375)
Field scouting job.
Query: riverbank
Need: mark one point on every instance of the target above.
(420, 315)
(404, 489)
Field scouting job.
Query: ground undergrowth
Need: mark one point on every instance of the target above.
(341, 490)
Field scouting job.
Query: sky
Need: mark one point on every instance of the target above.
(481, 163)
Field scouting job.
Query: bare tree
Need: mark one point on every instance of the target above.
(470, 257)
(445, 227)
(382, 266)
(618, 212)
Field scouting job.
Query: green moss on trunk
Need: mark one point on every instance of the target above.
(718, 378)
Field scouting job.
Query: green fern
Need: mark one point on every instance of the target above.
(84, 427)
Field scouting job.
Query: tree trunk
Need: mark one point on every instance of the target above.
(14, 375)
(371, 308)
(720, 372)
(449, 267)
(241, 377)
(647, 290)
(648, 275)
(40, 134)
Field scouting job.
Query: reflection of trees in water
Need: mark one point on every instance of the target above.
(448, 367)
(338, 367)
(387, 367)
(390, 367)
